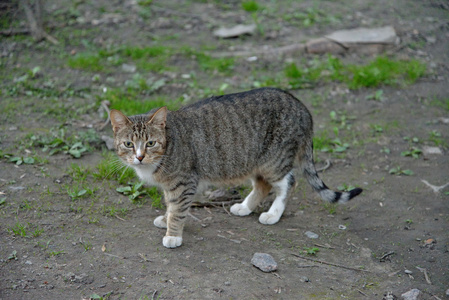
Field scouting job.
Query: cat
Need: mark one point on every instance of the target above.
(262, 135)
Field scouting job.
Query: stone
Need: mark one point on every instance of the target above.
(429, 150)
(324, 45)
(129, 68)
(411, 295)
(235, 31)
(264, 262)
(108, 141)
(380, 35)
(311, 235)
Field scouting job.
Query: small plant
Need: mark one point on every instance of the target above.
(76, 191)
(13, 255)
(18, 160)
(132, 190)
(377, 96)
(345, 187)
(311, 250)
(409, 221)
(112, 168)
(55, 253)
(413, 152)
(398, 171)
(435, 137)
(18, 229)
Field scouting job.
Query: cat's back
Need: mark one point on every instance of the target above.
(248, 102)
(231, 134)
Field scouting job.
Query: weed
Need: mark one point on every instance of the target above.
(136, 191)
(13, 255)
(413, 152)
(398, 171)
(250, 6)
(55, 253)
(78, 173)
(377, 96)
(18, 160)
(345, 187)
(409, 221)
(76, 191)
(435, 137)
(18, 229)
(311, 250)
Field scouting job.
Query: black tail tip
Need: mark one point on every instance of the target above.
(355, 192)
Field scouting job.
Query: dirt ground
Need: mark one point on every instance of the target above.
(98, 244)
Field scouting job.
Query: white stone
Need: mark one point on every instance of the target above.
(381, 35)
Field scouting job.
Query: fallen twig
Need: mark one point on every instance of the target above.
(222, 204)
(330, 264)
(214, 204)
(426, 276)
(105, 106)
(435, 189)
(386, 255)
(109, 254)
(121, 219)
(328, 164)
(362, 293)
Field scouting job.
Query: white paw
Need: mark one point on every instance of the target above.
(172, 241)
(240, 210)
(268, 219)
(160, 222)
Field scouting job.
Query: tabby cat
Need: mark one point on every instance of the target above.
(261, 135)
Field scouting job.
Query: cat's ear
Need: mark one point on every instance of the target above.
(118, 119)
(159, 118)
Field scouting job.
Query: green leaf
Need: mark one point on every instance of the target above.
(2, 200)
(124, 189)
(407, 172)
(75, 153)
(28, 160)
(82, 192)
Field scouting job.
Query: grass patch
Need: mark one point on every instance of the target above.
(126, 102)
(111, 168)
(381, 71)
(86, 61)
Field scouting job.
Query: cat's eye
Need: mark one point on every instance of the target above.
(151, 143)
(128, 144)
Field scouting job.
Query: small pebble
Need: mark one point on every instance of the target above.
(408, 272)
(28, 262)
(227, 283)
(342, 227)
(264, 261)
(311, 235)
(304, 279)
(447, 292)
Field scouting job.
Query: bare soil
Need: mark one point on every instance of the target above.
(105, 246)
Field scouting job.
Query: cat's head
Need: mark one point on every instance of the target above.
(139, 140)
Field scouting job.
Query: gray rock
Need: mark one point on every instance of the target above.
(304, 279)
(381, 35)
(264, 261)
(447, 292)
(311, 235)
(411, 295)
(109, 142)
(235, 31)
(129, 68)
(429, 150)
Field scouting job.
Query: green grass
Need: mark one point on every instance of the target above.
(386, 71)
(250, 6)
(86, 61)
(380, 71)
(111, 168)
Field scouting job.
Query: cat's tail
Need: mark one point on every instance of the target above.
(319, 186)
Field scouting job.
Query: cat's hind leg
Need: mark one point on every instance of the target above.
(261, 188)
(282, 189)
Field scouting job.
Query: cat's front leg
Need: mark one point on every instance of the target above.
(177, 209)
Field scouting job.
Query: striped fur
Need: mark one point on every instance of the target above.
(261, 135)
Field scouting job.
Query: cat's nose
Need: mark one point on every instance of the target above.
(140, 157)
